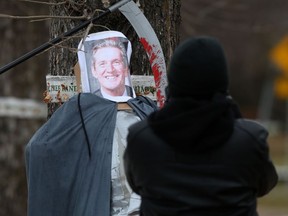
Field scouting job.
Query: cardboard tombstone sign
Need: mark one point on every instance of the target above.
(104, 59)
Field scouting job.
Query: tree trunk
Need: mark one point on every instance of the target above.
(26, 80)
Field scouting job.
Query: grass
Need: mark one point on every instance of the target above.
(276, 202)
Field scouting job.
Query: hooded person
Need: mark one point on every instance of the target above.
(204, 158)
(74, 162)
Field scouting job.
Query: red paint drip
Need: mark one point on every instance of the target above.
(155, 68)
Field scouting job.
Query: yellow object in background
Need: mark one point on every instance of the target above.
(279, 55)
(281, 87)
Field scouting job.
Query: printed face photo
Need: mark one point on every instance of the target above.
(104, 63)
(109, 68)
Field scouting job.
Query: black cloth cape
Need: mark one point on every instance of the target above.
(64, 178)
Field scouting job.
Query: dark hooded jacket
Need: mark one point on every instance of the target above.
(68, 160)
(197, 155)
(223, 179)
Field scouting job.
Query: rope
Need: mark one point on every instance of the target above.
(84, 128)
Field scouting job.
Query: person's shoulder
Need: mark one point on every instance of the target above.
(248, 123)
(139, 126)
(252, 127)
(139, 130)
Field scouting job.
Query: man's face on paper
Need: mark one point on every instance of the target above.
(110, 70)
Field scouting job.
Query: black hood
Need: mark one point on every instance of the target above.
(198, 69)
(195, 125)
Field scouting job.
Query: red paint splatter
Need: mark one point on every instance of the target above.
(153, 57)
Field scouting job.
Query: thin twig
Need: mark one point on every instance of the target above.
(58, 45)
(41, 17)
(50, 3)
(87, 32)
(88, 29)
(83, 38)
(47, 3)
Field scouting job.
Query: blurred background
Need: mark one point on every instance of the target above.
(254, 34)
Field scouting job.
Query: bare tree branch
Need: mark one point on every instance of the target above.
(47, 3)
(41, 17)
(59, 3)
